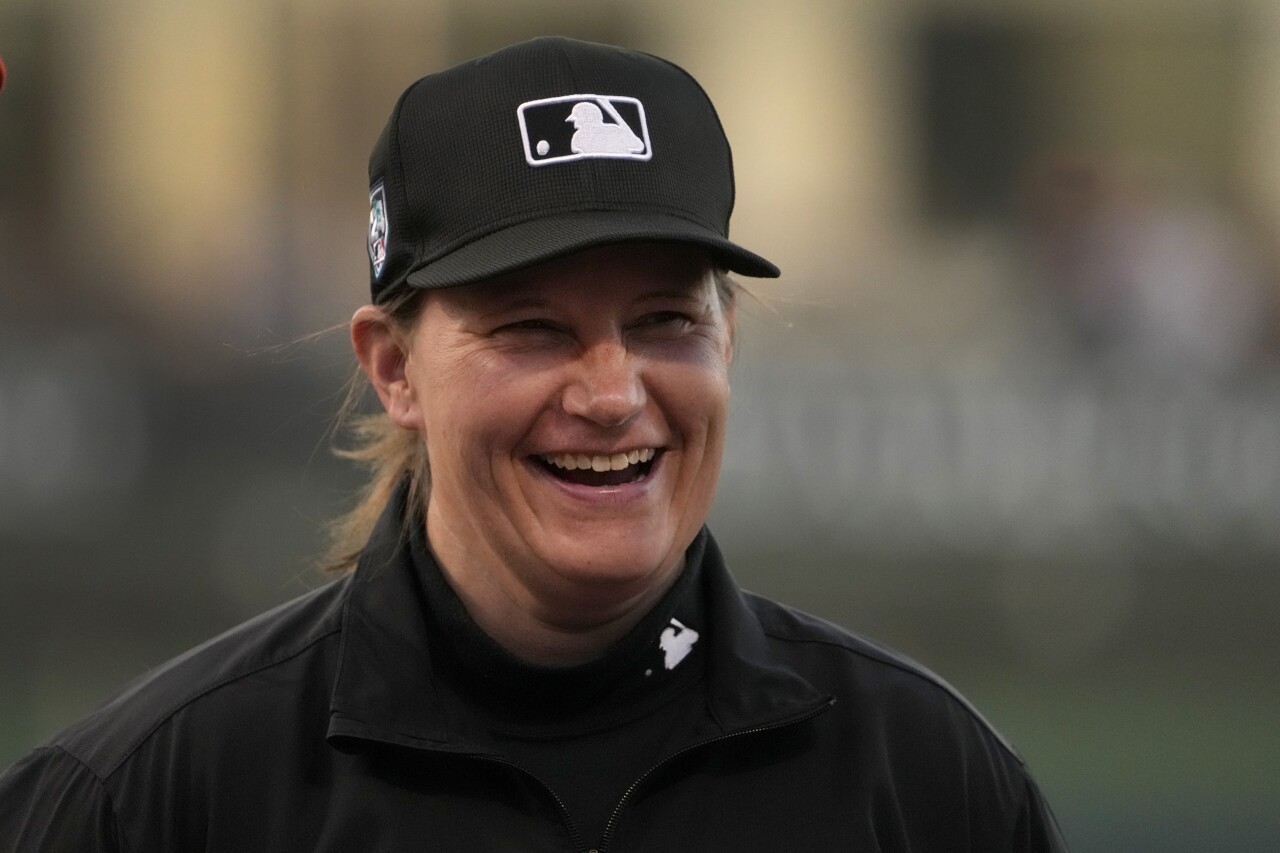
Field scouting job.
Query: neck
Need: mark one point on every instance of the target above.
(569, 625)
(536, 636)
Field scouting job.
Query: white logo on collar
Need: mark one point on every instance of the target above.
(676, 642)
(379, 228)
(580, 127)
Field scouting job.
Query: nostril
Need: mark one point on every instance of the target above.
(608, 404)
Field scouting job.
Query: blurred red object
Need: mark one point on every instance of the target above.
(1, 72)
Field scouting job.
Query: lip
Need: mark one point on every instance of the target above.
(601, 495)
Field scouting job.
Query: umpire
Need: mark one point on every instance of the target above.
(534, 643)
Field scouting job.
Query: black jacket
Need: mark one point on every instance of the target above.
(319, 727)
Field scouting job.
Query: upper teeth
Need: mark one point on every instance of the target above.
(614, 462)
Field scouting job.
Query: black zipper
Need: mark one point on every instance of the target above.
(617, 810)
(574, 835)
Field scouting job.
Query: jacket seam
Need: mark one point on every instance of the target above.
(180, 705)
(106, 792)
(916, 672)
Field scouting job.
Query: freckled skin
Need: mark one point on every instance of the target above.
(612, 349)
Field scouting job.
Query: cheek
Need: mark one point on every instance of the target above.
(473, 420)
(698, 406)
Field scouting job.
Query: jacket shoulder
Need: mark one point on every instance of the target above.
(280, 637)
(879, 671)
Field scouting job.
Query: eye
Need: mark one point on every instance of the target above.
(666, 319)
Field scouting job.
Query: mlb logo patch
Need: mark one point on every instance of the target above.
(579, 127)
(379, 228)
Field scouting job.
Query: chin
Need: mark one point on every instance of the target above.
(608, 566)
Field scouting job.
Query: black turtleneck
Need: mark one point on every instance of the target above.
(587, 731)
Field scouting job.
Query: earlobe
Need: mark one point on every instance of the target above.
(383, 357)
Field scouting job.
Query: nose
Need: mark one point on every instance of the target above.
(606, 388)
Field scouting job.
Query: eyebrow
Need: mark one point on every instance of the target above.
(520, 302)
(688, 293)
(514, 303)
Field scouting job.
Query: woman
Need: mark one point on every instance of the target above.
(540, 647)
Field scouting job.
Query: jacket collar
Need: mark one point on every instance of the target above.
(385, 689)
(749, 686)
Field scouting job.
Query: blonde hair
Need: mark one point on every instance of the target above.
(387, 451)
(390, 452)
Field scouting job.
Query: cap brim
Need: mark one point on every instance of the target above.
(543, 239)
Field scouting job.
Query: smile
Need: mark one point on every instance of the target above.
(614, 469)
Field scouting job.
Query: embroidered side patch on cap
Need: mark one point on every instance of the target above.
(379, 228)
(577, 127)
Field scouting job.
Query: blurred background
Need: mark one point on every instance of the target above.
(1014, 407)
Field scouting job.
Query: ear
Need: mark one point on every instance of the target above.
(382, 350)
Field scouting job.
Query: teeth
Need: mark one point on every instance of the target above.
(615, 462)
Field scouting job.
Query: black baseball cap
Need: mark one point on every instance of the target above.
(542, 149)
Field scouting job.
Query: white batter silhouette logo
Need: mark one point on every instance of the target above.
(676, 642)
(578, 127)
(593, 136)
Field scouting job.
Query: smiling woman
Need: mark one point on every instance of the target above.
(391, 453)
(539, 646)
(583, 360)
